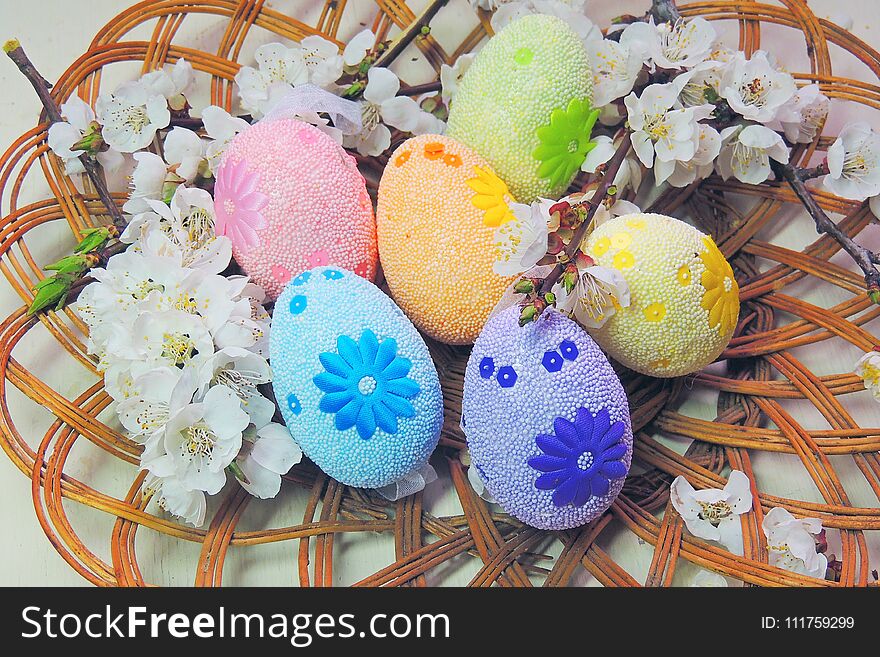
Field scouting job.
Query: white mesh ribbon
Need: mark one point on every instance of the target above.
(306, 101)
(479, 486)
(408, 484)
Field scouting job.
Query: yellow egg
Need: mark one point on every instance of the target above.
(684, 298)
(439, 205)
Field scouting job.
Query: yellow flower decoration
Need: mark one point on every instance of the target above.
(721, 297)
(492, 197)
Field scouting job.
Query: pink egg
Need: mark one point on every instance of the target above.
(290, 199)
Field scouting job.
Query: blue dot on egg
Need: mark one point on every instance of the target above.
(569, 350)
(302, 279)
(293, 404)
(333, 274)
(552, 361)
(298, 304)
(487, 367)
(506, 376)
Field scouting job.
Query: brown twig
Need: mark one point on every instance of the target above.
(409, 33)
(813, 172)
(593, 204)
(864, 258)
(663, 11)
(17, 54)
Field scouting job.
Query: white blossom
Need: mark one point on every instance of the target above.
(713, 514)
(754, 88)
(183, 232)
(854, 163)
(683, 44)
(660, 130)
(153, 395)
(172, 496)
(703, 79)
(221, 127)
(630, 172)
(521, 242)
(803, 114)
(868, 368)
(382, 104)
(130, 116)
(746, 153)
(65, 134)
(170, 82)
(241, 371)
(184, 153)
(278, 68)
(450, 76)
(597, 296)
(791, 544)
(147, 182)
(267, 453)
(682, 173)
(322, 60)
(356, 49)
(199, 441)
(615, 69)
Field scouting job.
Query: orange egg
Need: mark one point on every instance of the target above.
(439, 206)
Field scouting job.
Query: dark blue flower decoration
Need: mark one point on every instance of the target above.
(366, 384)
(569, 350)
(293, 404)
(333, 274)
(552, 361)
(582, 459)
(506, 376)
(487, 367)
(298, 304)
(302, 279)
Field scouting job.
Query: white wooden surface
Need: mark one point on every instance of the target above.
(54, 33)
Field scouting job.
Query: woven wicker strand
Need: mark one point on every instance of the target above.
(762, 371)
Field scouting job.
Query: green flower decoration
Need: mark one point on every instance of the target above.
(565, 142)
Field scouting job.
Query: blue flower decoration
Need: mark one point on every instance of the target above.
(298, 304)
(552, 361)
(487, 367)
(366, 384)
(333, 274)
(293, 404)
(303, 278)
(581, 459)
(569, 350)
(506, 376)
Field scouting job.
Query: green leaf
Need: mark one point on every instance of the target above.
(94, 239)
(75, 264)
(51, 291)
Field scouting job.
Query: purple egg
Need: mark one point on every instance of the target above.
(546, 419)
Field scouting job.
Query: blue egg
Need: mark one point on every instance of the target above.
(546, 419)
(363, 396)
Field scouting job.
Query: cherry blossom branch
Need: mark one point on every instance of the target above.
(813, 172)
(17, 54)
(409, 33)
(663, 11)
(863, 257)
(599, 196)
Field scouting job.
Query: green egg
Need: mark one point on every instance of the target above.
(525, 106)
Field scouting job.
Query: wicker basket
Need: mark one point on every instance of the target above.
(756, 388)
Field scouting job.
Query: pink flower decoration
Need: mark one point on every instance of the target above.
(237, 205)
(319, 258)
(281, 274)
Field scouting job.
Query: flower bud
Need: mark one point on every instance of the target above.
(524, 286)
